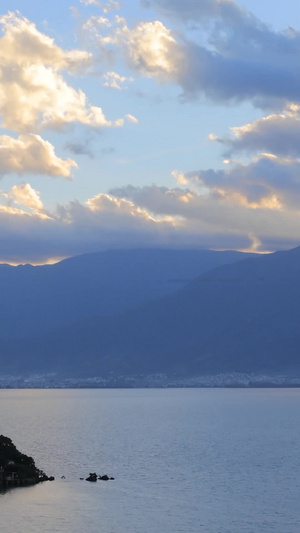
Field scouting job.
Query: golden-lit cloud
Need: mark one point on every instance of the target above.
(29, 234)
(180, 177)
(250, 204)
(268, 181)
(105, 203)
(18, 217)
(31, 154)
(232, 197)
(23, 43)
(277, 133)
(233, 57)
(25, 195)
(149, 47)
(33, 92)
(137, 217)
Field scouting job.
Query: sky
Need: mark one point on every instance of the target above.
(148, 123)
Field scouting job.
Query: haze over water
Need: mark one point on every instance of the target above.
(184, 460)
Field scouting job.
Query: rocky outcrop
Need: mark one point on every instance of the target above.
(16, 468)
(93, 477)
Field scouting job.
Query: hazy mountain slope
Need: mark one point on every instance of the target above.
(242, 317)
(35, 299)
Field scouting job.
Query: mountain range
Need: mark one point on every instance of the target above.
(36, 299)
(181, 313)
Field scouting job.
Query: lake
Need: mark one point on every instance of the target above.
(184, 460)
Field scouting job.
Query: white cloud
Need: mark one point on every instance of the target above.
(135, 217)
(33, 93)
(240, 57)
(115, 80)
(25, 195)
(268, 182)
(23, 43)
(110, 205)
(245, 205)
(31, 154)
(102, 222)
(106, 6)
(131, 118)
(260, 198)
(276, 133)
(149, 48)
(180, 177)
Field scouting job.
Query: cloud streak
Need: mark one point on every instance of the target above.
(105, 6)
(115, 80)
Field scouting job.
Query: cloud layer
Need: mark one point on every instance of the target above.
(230, 217)
(213, 49)
(240, 57)
(35, 96)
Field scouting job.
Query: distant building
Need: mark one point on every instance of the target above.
(11, 476)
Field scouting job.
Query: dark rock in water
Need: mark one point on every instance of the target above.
(92, 477)
(43, 477)
(51, 478)
(63, 477)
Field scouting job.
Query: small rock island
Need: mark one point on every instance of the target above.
(16, 468)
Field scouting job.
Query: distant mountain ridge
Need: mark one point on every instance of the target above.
(37, 299)
(239, 317)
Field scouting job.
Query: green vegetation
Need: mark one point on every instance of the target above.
(13, 461)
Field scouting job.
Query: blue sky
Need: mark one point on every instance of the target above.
(148, 123)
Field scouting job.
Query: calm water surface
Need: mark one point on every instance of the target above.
(184, 460)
